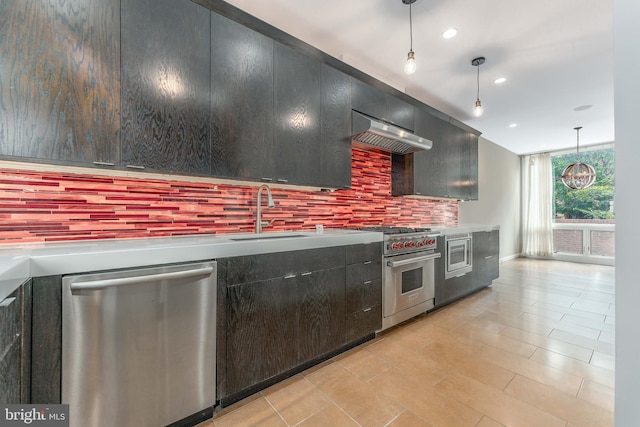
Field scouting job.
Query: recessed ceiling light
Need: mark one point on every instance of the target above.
(450, 33)
(500, 80)
(513, 125)
(582, 107)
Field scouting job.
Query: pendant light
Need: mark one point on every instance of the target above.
(578, 176)
(410, 65)
(477, 62)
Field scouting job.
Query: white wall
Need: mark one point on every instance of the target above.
(499, 196)
(627, 111)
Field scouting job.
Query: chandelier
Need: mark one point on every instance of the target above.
(578, 176)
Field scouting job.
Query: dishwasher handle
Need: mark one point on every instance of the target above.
(413, 260)
(97, 285)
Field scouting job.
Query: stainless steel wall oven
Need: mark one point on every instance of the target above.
(458, 255)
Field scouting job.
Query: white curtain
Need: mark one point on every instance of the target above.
(537, 208)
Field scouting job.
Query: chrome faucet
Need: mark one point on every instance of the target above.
(259, 223)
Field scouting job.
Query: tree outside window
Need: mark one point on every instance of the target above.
(593, 203)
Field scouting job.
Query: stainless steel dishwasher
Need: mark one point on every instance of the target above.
(138, 346)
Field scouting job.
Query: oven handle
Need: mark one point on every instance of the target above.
(413, 260)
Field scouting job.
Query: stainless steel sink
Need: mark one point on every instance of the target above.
(265, 237)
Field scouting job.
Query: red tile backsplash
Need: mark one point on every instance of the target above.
(50, 206)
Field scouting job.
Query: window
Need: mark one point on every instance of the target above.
(593, 203)
(583, 228)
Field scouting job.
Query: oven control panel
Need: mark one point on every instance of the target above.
(409, 243)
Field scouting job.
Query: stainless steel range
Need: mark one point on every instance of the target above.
(408, 272)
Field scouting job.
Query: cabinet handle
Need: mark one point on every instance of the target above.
(98, 285)
(266, 179)
(290, 276)
(367, 282)
(367, 262)
(282, 180)
(488, 256)
(306, 273)
(135, 167)
(103, 163)
(366, 310)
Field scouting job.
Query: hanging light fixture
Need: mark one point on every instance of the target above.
(477, 62)
(578, 176)
(410, 65)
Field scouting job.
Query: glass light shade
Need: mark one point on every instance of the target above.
(478, 110)
(578, 176)
(410, 65)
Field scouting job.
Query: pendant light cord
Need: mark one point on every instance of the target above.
(410, 29)
(478, 83)
(578, 142)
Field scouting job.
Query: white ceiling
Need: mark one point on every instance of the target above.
(556, 54)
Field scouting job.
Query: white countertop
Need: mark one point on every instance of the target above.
(17, 264)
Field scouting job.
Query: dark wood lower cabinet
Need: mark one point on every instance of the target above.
(15, 346)
(320, 313)
(260, 332)
(316, 307)
(486, 257)
(46, 338)
(486, 265)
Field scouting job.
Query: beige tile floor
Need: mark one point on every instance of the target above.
(535, 349)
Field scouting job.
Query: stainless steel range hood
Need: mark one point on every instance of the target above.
(369, 131)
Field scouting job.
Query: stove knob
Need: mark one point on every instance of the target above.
(421, 243)
(396, 245)
(430, 241)
(410, 245)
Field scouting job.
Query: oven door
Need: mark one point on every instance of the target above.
(408, 281)
(458, 257)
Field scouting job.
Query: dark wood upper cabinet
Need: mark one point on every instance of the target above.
(381, 105)
(448, 170)
(241, 101)
(165, 86)
(60, 97)
(335, 128)
(469, 169)
(297, 116)
(367, 99)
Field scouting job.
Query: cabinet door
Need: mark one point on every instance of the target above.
(320, 312)
(10, 347)
(367, 99)
(486, 262)
(456, 142)
(241, 101)
(336, 128)
(60, 97)
(297, 116)
(469, 168)
(456, 287)
(261, 331)
(430, 169)
(399, 112)
(15, 346)
(165, 86)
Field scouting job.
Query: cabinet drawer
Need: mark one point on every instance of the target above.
(368, 270)
(364, 252)
(363, 295)
(253, 268)
(362, 323)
